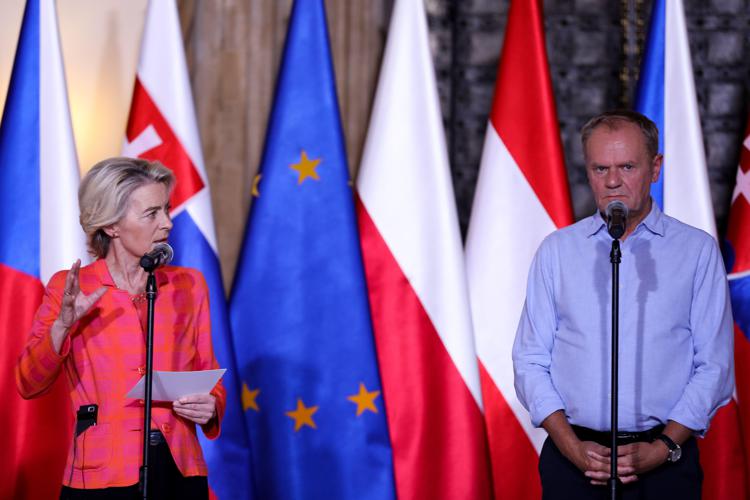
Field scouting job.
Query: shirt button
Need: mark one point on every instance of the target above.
(141, 402)
(166, 428)
(141, 370)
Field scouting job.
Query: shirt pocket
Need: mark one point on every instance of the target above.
(93, 448)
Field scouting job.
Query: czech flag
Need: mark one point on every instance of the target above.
(39, 235)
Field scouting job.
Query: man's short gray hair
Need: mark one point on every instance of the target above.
(615, 118)
(105, 191)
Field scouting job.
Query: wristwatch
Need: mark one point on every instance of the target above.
(675, 452)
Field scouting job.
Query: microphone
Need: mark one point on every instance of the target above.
(161, 255)
(617, 215)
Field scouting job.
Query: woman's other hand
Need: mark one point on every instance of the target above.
(198, 408)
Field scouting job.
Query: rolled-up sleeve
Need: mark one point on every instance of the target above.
(532, 348)
(712, 382)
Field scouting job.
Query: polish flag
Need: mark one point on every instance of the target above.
(415, 276)
(162, 126)
(522, 196)
(39, 235)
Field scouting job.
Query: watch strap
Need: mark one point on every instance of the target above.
(673, 447)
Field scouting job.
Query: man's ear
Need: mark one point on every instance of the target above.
(656, 164)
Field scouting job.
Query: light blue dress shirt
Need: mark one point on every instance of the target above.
(676, 334)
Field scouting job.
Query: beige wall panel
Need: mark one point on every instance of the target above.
(234, 48)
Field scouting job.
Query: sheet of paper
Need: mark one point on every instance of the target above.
(170, 386)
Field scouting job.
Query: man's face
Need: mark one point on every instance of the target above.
(618, 167)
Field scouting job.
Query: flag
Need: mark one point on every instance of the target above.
(40, 235)
(666, 94)
(299, 312)
(737, 256)
(162, 126)
(521, 196)
(415, 276)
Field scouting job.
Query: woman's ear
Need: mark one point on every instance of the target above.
(111, 231)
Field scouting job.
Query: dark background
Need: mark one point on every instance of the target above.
(594, 49)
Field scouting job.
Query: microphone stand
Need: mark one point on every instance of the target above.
(151, 300)
(615, 258)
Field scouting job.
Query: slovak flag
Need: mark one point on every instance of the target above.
(162, 126)
(521, 197)
(39, 235)
(737, 256)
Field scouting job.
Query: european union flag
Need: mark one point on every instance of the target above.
(299, 311)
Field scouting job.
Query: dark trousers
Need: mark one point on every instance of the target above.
(164, 479)
(561, 480)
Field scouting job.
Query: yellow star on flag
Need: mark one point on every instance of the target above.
(306, 168)
(364, 400)
(302, 415)
(256, 181)
(248, 398)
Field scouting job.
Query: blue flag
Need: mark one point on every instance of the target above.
(649, 98)
(299, 311)
(666, 94)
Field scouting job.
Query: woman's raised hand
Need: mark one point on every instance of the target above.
(75, 304)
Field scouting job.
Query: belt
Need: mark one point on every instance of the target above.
(605, 437)
(155, 438)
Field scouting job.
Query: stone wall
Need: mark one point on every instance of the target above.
(594, 53)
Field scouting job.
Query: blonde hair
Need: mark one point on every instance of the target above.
(105, 191)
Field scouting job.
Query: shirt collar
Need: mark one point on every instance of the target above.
(102, 272)
(654, 221)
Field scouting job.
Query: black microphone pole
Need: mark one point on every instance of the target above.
(151, 300)
(161, 255)
(614, 257)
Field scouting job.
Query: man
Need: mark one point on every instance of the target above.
(675, 342)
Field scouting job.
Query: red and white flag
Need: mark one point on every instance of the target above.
(522, 196)
(162, 126)
(726, 448)
(415, 276)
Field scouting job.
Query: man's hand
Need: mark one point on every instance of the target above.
(592, 459)
(198, 408)
(637, 458)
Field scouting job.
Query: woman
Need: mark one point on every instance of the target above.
(91, 326)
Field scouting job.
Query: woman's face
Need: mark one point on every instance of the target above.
(146, 221)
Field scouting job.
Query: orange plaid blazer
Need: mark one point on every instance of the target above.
(104, 355)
